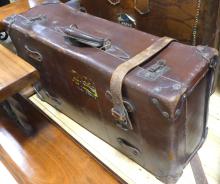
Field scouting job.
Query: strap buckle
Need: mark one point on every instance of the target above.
(122, 118)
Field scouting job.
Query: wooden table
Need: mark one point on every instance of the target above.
(49, 156)
(15, 74)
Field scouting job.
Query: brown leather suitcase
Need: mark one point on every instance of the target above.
(190, 21)
(158, 117)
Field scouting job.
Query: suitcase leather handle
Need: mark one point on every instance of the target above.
(119, 110)
(86, 38)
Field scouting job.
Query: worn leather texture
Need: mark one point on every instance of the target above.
(168, 94)
(189, 21)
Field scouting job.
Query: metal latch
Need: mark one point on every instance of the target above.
(155, 71)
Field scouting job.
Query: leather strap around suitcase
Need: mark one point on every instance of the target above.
(198, 172)
(119, 110)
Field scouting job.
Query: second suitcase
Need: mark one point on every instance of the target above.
(193, 22)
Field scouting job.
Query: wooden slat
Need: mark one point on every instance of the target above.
(15, 73)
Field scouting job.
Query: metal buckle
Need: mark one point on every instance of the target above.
(122, 118)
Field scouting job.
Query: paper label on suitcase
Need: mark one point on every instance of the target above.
(84, 84)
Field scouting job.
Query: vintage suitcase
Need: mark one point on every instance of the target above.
(157, 117)
(193, 22)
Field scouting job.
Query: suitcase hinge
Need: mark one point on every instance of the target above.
(214, 63)
(211, 55)
(214, 66)
(207, 53)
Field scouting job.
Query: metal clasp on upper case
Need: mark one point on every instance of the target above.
(142, 6)
(114, 2)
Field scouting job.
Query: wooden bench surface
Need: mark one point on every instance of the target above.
(15, 73)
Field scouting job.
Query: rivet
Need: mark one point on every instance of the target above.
(178, 112)
(155, 101)
(135, 152)
(158, 89)
(165, 114)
